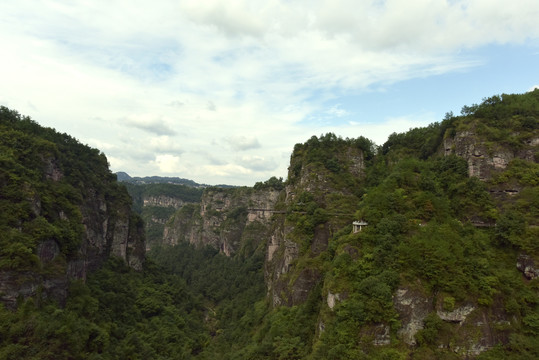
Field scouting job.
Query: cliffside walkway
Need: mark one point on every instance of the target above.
(477, 224)
(266, 210)
(294, 211)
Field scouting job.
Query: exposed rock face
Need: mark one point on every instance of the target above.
(527, 266)
(457, 315)
(474, 330)
(485, 158)
(162, 201)
(412, 307)
(48, 250)
(15, 286)
(287, 285)
(382, 335)
(227, 219)
(332, 299)
(482, 159)
(109, 229)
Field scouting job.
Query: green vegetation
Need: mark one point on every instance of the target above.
(44, 177)
(271, 183)
(449, 241)
(125, 178)
(117, 314)
(184, 193)
(155, 215)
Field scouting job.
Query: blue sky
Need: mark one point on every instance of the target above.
(220, 91)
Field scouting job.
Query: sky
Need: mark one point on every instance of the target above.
(219, 92)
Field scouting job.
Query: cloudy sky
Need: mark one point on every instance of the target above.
(220, 91)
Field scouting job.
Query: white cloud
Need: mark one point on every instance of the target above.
(102, 71)
(337, 111)
(168, 164)
(101, 145)
(225, 170)
(211, 106)
(258, 163)
(151, 123)
(242, 143)
(378, 132)
(165, 144)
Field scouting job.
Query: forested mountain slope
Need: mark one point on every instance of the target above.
(62, 212)
(444, 266)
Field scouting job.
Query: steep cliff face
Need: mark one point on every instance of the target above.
(484, 157)
(324, 184)
(231, 220)
(162, 201)
(64, 213)
(157, 202)
(469, 328)
(424, 209)
(110, 228)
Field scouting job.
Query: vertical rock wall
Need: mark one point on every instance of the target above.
(230, 220)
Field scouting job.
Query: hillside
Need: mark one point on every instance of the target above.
(444, 265)
(137, 180)
(157, 202)
(63, 214)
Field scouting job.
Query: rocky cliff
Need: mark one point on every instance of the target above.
(162, 201)
(486, 157)
(320, 199)
(232, 220)
(63, 212)
(444, 263)
(157, 202)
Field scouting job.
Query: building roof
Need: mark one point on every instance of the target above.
(362, 223)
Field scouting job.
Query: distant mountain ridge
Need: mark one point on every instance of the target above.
(137, 180)
(125, 177)
(156, 198)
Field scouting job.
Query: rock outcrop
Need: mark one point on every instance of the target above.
(412, 307)
(474, 330)
(310, 184)
(527, 266)
(231, 220)
(163, 201)
(485, 158)
(63, 213)
(110, 229)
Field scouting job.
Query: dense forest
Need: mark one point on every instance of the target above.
(445, 223)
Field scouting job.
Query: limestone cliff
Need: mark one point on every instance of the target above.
(162, 201)
(474, 329)
(63, 212)
(231, 220)
(321, 196)
(485, 157)
(157, 202)
(109, 229)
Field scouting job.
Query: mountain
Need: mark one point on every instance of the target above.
(156, 198)
(157, 202)
(445, 264)
(422, 248)
(124, 177)
(63, 213)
